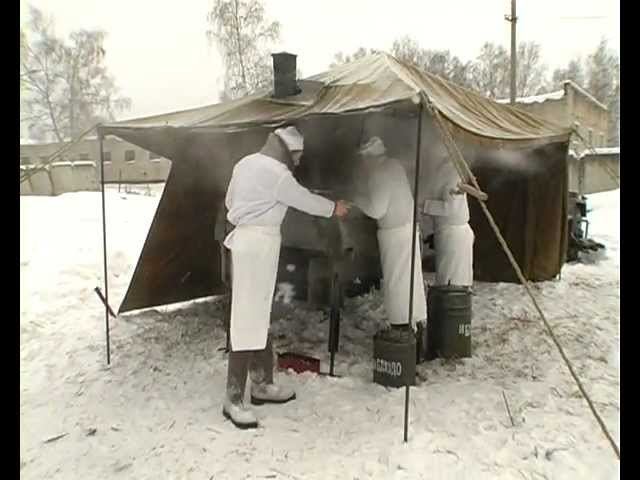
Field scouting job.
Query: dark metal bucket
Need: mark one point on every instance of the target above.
(394, 364)
(449, 322)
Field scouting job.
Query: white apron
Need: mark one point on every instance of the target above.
(395, 256)
(454, 255)
(255, 251)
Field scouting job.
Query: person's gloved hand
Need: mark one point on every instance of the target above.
(342, 208)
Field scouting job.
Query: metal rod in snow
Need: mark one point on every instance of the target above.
(104, 249)
(332, 358)
(104, 301)
(334, 322)
(416, 185)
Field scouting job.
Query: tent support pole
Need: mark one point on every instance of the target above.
(416, 187)
(104, 249)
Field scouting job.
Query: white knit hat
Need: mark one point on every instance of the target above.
(374, 147)
(292, 138)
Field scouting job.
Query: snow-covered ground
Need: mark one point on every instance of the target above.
(156, 411)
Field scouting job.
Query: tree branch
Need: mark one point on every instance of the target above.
(240, 53)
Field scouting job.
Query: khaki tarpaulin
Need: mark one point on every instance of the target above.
(180, 259)
(373, 81)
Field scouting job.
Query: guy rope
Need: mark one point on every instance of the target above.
(466, 176)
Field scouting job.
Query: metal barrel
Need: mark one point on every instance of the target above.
(394, 363)
(449, 315)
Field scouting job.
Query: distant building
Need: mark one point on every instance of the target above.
(572, 107)
(594, 171)
(124, 162)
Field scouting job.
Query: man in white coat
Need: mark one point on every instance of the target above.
(261, 190)
(384, 193)
(453, 237)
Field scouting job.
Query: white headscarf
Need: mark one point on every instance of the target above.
(292, 138)
(373, 148)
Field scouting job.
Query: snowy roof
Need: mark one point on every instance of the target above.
(584, 93)
(28, 141)
(536, 98)
(557, 95)
(87, 137)
(602, 151)
(84, 163)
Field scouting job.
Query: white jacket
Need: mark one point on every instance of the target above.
(385, 194)
(452, 210)
(262, 188)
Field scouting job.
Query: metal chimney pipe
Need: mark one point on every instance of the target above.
(284, 75)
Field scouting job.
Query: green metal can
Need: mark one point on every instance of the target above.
(394, 362)
(449, 315)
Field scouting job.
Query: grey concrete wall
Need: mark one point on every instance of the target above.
(25, 187)
(592, 119)
(574, 173)
(556, 111)
(145, 167)
(62, 177)
(85, 177)
(41, 183)
(601, 173)
(574, 107)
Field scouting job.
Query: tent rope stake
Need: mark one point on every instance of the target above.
(465, 174)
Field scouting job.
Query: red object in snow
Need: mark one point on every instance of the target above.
(298, 363)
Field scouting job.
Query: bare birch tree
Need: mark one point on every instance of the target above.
(531, 71)
(439, 62)
(342, 58)
(65, 86)
(242, 34)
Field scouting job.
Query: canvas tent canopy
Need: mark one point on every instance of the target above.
(519, 160)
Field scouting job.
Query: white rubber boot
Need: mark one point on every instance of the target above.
(270, 393)
(241, 416)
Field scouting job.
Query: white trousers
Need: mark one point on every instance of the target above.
(454, 255)
(395, 256)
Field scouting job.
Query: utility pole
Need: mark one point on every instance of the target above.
(513, 19)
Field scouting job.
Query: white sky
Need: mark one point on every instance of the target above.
(159, 54)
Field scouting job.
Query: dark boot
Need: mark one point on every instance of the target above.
(263, 390)
(421, 342)
(234, 408)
